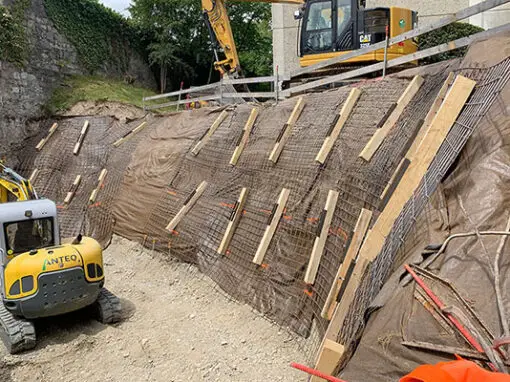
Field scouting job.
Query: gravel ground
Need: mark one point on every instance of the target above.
(177, 327)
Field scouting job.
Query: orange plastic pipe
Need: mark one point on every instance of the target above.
(316, 373)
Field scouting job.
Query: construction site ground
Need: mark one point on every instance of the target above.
(177, 327)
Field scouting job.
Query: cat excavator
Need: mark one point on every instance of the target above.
(328, 28)
(42, 276)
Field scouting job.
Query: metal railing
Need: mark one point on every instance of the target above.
(221, 91)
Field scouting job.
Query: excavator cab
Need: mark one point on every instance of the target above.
(27, 235)
(330, 28)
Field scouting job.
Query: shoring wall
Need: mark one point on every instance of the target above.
(151, 175)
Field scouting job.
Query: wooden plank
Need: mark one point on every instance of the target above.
(430, 115)
(341, 310)
(81, 138)
(188, 205)
(345, 112)
(432, 141)
(343, 305)
(459, 15)
(43, 141)
(329, 357)
(130, 134)
(244, 136)
(209, 132)
(33, 175)
(286, 130)
(273, 221)
(377, 139)
(321, 237)
(360, 231)
(393, 182)
(455, 44)
(100, 181)
(73, 189)
(404, 163)
(233, 222)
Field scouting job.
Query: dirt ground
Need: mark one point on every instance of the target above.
(177, 327)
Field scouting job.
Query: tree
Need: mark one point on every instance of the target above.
(179, 43)
(252, 33)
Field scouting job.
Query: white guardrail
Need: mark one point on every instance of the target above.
(222, 91)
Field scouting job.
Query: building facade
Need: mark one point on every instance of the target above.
(286, 29)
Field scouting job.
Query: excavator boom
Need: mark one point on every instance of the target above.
(15, 184)
(215, 14)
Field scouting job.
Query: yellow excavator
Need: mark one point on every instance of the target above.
(42, 276)
(329, 28)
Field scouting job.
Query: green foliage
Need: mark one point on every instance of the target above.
(446, 34)
(178, 38)
(13, 37)
(101, 36)
(93, 88)
(252, 33)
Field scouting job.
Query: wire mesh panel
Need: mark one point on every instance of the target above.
(490, 82)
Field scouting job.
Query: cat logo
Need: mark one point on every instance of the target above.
(364, 38)
(59, 261)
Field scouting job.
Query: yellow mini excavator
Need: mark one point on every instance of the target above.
(42, 276)
(329, 28)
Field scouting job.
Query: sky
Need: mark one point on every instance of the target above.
(118, 5)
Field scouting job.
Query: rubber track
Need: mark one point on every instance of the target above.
(109, 308)
(17, 334)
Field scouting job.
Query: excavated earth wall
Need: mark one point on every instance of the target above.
(151, 175)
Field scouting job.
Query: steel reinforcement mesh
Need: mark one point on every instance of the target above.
(490, 82)
(157, 166)
(58, 167)
(277, 288)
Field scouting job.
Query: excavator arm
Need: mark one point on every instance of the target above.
(216, 17)
(15, 184)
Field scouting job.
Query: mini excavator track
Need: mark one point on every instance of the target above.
(17, 333)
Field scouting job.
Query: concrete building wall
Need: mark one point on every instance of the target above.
(285, 38)
(285, 28)
(492, 18)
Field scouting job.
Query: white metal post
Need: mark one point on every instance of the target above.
(385, 52)
(179, 99)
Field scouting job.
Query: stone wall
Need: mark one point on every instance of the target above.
(24, 91)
